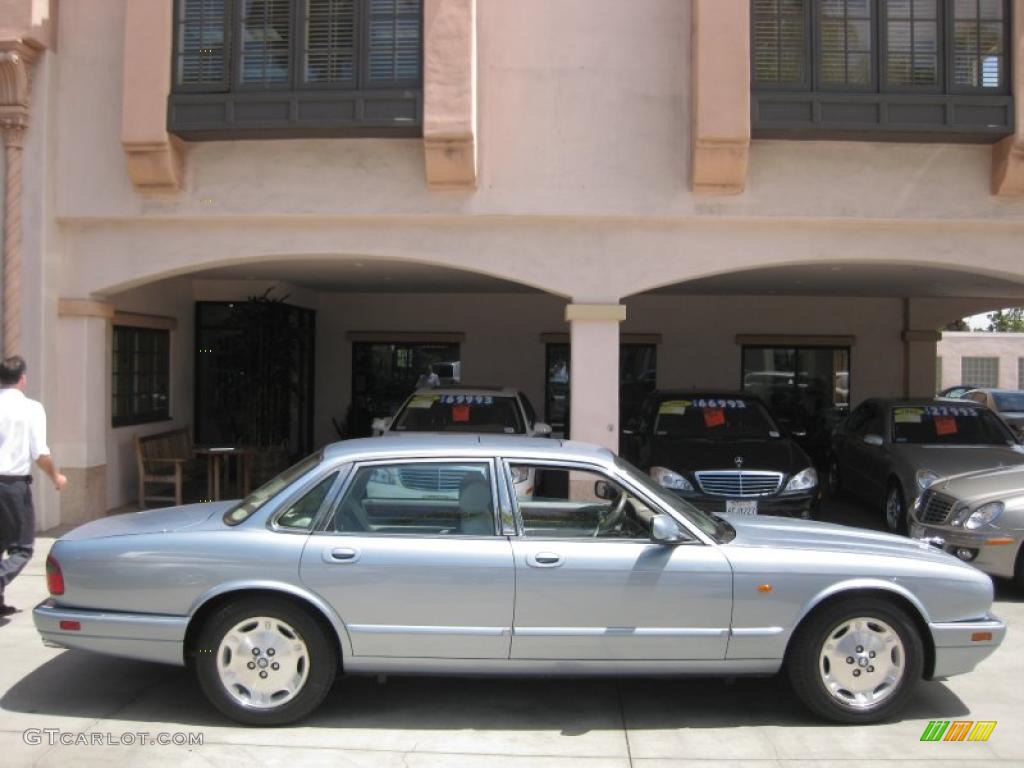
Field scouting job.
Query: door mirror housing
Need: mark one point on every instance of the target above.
(665, 530)
(875, 440)
(540, 429)
(380, 425)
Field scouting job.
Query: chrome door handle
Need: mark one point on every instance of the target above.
(545, 560)
(341, 555)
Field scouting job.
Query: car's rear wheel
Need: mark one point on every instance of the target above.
(895, 509)
(856, 661)
(264, 661)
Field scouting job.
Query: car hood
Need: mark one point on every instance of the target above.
(692, 454)
(977, 487)
(164, 520)
(955, 459)
(787, 533)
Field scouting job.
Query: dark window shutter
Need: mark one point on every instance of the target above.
(330, 42)
(394, 35)
(265, 45)
(201, 55)
(979, 50)
(779, 30)
(912, 44)
(845, 49)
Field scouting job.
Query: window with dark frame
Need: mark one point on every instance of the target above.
(141, 376)
(843, 67)
(266, 68)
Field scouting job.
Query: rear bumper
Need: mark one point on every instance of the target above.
(956, 652)
(146, 637)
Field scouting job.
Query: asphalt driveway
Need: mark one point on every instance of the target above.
(68, 708)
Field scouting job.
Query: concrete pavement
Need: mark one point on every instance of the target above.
(427, 722)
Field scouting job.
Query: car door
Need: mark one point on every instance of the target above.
(410, 559)
(866, 458)
(592, 587)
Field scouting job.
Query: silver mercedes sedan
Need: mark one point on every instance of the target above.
(423, 555)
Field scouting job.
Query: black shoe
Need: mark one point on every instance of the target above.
(7, 610)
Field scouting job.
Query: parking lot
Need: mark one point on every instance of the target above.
(56, 696)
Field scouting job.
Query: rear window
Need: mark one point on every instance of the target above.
(490, 414)
(1009, 401)
(947, 425)
(713, 418)
(248, 506)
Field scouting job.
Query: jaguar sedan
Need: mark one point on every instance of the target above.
(599, 570)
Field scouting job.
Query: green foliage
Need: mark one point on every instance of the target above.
(1007, 320)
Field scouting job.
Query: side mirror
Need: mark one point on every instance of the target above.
(380, 425)
(540, 429)
(665, 530)
(875, 440)
(603, 490)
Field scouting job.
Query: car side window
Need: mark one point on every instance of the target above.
(858, 420)
(578, 503)
(426, 498)
(531, 415)
(301, 515)
(876, 422)
(977, 397)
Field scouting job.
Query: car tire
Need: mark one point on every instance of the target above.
(288, 666)
(856, 660)
(834, 479)
(895, 509)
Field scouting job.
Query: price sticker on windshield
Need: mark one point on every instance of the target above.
(673, 407)
(714, 417)
(945, 425)
(908, 415)
(460, 413)
(422, 401)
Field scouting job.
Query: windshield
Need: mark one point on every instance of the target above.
(488, 414)
(947, 425)
(714, 419)
(1009, 401)
(248, 506)
(707, 524)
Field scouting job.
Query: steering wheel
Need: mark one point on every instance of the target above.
(614, 516)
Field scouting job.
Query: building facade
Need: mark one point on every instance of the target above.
(980, 360)
(583, 199)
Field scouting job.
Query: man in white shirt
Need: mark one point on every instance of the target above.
(22, 441)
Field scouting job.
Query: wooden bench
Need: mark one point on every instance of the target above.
(164, 459)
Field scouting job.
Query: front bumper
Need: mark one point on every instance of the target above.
(790, 505)
(961, 645)
(995, 559)
(141, 636)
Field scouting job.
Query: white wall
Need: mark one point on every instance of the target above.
(1008, 347)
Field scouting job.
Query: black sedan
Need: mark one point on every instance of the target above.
(722, 453)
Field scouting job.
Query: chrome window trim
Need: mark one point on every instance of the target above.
(613, 473)
(359, 464)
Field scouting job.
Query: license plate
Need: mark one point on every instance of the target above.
(741, 507)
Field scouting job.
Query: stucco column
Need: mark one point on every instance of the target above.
(919, 362)
(79, 425)
(15, 61)
(1008, 154)
(720, 81)
(449, 93)
(594, 372)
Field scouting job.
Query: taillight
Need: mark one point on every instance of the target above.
(54, 577)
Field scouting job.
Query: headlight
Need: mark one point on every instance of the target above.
(666, 478)
(983, 515)
(925, 477)
(803, 481)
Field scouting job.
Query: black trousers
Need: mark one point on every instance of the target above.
(17, 530)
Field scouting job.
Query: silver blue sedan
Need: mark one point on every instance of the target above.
(423, 555)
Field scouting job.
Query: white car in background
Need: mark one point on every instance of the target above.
(465, 410)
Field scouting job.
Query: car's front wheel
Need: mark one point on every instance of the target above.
(895, 509)
(264, 661)
(856, 661)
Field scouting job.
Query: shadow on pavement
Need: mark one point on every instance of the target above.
(79, 684)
